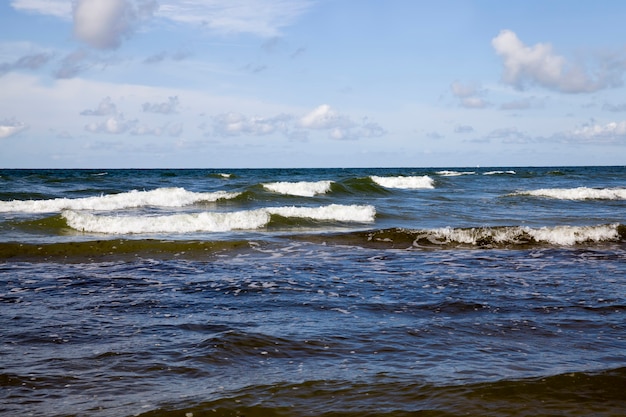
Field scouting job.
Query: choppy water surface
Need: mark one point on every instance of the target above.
(313, 292)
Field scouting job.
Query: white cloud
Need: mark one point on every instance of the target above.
(169, 107)
(469, 95)
(611, 133)
(10, 127)
(105, 108)
(324, 117)
(103, 24)
(113, 125)
(235, 124)
(58, 8)
(262, 18)
(539, 65)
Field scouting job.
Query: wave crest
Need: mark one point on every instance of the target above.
(579, 193)
(211, 221)
(160, 197)
(417, 182)
(492, 237)
(301, 188)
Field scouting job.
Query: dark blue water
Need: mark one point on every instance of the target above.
(497, 292)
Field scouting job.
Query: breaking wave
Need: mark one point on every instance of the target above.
(448, 173)
(302, 188)
(503, 236)
(212, 221)
(404, 182)
(160, 197)
(579, 193)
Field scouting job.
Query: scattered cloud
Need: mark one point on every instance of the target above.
(324, 117)
(114, 125)
(614, 107)
(57, 8)
(469, 95)
(11, 127)
(235, 124)
(169, 107)
(264, 18)
(103, 24)
(28, 62)
(540, 65)
(105, 108)
(609, 133)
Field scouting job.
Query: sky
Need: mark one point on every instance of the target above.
(311, 83)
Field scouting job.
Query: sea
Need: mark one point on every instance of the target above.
(483, 291)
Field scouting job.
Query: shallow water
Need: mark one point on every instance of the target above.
(319, 317)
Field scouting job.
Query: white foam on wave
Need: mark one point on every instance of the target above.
(160, 197)
(579, 193)
(301, 188)
(211, 221)
(447, 173)
(511, 172)
(332, 212)
(404, 182)
(558, 235)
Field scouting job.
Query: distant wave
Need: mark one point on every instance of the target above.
(404, 182)
(447, 173)
(212, 221)
(160, 197)
(510, 172)
(580, 193)
(302, 188)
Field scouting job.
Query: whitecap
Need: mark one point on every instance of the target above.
(332, 212)
(511, 172)
(579, 193)
(160, 197)
(446, 173)
(174, 223)
(404, 182)
(301, 188)
(211, 221)
(558, 235)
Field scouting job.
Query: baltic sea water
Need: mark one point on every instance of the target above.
(290, 292)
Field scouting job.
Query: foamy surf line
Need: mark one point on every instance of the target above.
(416, 182)
(160, 197)
(212, 221)
(501, 236)
(579, 193)
(300, 188)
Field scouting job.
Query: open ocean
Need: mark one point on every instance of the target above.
(313, 292)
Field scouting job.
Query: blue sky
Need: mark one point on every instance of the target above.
(311, 83)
